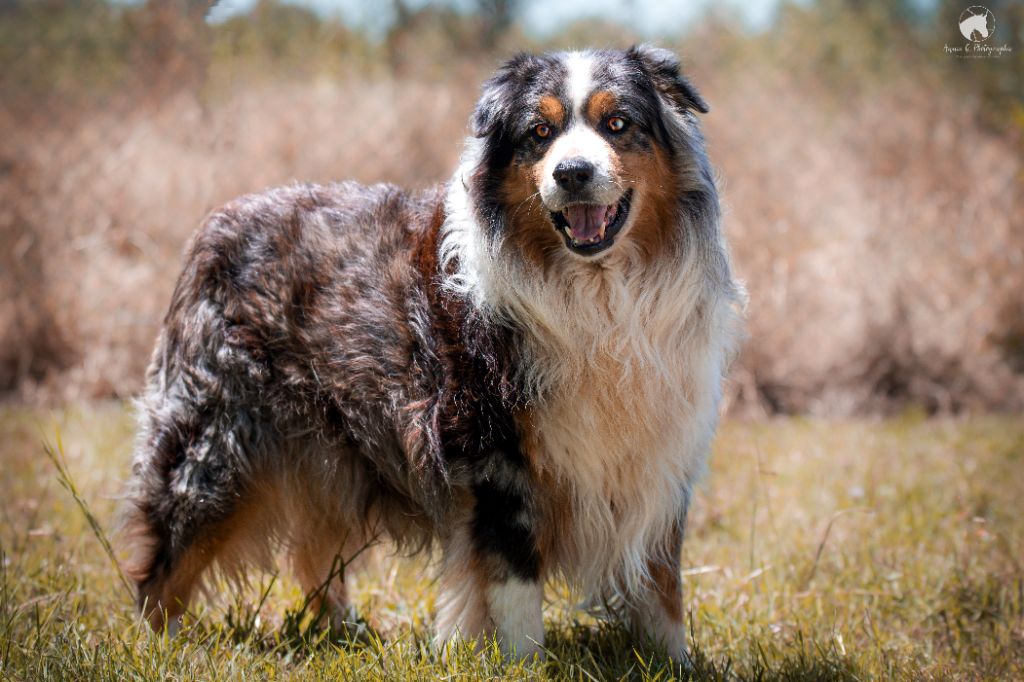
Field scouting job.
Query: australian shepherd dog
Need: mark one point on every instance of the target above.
(522, 368)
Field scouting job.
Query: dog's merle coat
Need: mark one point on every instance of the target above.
(342, 362)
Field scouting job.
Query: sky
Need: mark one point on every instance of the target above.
(649, 18)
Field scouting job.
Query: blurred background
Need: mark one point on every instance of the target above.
(873, 177)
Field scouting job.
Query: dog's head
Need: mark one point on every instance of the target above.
(579, 151)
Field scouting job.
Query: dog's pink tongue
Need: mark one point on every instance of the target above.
(585, 222)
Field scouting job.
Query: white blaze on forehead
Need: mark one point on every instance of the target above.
(580, 81)
(579, 141)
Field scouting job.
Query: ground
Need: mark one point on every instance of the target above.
(818, 550)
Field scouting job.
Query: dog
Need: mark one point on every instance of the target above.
(522, 369)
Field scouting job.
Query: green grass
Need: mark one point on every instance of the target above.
(854, 550)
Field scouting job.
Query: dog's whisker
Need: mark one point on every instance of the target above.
(532, 197)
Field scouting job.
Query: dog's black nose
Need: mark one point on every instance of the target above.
(572, 175)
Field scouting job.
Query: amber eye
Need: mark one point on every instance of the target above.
(616, 124)
(542, 131)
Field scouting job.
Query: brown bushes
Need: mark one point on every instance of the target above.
(882, 244)
(881, 236)
(108, 198)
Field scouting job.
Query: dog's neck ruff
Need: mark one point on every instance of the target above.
(620, 313)
(624, 362)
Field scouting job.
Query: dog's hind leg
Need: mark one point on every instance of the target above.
(321, 557)
(189, 501)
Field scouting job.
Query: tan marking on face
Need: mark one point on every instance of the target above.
(530, 231)
(653, 180)
(552, 110)
(599, 105)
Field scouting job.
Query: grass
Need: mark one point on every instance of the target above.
(818, 550)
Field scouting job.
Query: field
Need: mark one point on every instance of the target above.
(873, 196)
(819, 550)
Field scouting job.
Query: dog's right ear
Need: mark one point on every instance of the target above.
(664, 69)
(497, 100)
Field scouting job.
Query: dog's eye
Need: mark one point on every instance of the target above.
(616, 124)
(543, 131)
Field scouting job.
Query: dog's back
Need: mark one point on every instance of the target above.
(284, 360)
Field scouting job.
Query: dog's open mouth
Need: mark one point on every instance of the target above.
(589, 229)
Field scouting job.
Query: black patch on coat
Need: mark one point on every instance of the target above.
(499, 528)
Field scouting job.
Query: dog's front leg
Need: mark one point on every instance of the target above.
(490, 583)
(656, 608)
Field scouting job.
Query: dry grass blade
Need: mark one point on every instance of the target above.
(55, 453)
(824, 540)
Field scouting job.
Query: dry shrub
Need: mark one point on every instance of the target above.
(33, 344)
(108, 197)
(882, 245)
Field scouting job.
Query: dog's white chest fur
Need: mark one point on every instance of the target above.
(628, 357)
(630, 409)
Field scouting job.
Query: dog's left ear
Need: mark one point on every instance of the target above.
(497, 97)
(663, 68)
(490, 108)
